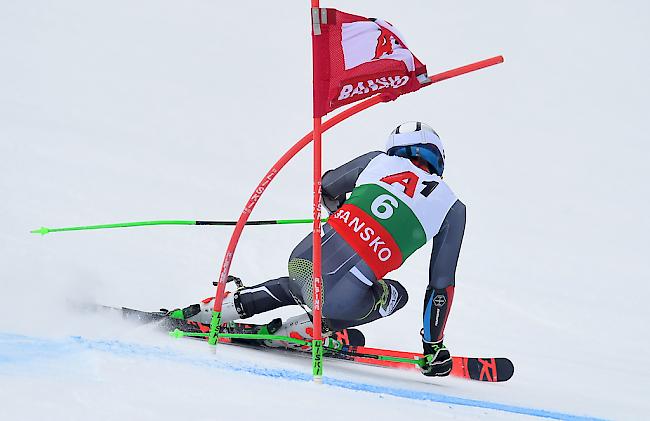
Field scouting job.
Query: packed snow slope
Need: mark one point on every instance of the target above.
(134, 110)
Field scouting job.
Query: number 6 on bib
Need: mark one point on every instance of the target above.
(382, 206)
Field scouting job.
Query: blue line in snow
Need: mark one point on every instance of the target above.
(16, 349)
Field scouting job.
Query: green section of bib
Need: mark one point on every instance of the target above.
(393, 214)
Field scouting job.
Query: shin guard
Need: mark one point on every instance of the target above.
(437, 305)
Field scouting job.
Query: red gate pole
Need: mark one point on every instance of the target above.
(317, 280)
(255, 197)
(317, 308)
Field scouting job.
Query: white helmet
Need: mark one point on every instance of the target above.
(414, 139)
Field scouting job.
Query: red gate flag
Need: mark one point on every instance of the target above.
(356, 57)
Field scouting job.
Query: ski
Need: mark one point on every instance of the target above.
(481, 369)
(353, 350)
(348, 337)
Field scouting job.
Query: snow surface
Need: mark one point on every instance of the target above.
(135, 110)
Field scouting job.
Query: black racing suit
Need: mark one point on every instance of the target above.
(352, 295)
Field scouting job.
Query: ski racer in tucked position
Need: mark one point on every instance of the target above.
(397, 202)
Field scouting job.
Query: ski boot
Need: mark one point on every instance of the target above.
(437, 358)
(301, 327)
(231, 308)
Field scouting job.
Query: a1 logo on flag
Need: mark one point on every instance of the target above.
(363, 42)
(357, 57)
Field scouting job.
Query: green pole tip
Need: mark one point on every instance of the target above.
(41, 231)
(176, 333)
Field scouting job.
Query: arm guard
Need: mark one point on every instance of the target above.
(442, 273)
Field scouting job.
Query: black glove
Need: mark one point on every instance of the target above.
(437, 359)
(332, 203)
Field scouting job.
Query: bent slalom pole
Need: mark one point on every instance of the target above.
(45, 230)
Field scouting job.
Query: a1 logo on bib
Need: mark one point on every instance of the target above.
(410, 181)
(407, 179)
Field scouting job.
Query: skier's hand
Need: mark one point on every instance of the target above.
(437, 359)
(332, 203)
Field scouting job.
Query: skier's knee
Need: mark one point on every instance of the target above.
(393, 296)
(402, 293)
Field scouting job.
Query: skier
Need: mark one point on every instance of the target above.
(397, 203)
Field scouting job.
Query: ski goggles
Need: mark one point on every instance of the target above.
(427, 152)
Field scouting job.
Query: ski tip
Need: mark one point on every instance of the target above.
(494, 369)
(483, 369)
(506, 369)
(177, 333)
